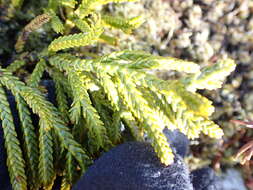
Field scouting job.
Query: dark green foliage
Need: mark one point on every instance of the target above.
(30, 141)
(15, 161)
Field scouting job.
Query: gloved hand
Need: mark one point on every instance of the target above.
(135, 166)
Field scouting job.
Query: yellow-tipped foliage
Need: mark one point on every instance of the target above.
(154, 103)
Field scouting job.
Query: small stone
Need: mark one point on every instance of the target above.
(232, 180)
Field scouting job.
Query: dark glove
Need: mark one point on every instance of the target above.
(135, 166)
